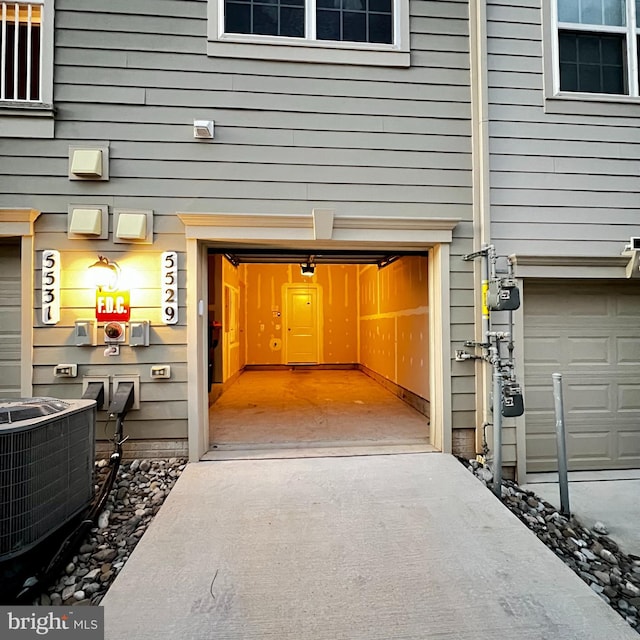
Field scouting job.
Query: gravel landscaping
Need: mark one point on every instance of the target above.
(591, 553)
(138, 493)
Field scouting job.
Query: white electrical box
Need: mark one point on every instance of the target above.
(65, 370)
(85, 333)
(160, 371)
(139, 333)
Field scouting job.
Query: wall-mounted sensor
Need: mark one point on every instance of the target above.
(114, 332)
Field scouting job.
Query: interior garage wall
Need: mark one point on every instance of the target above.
(263, 306)
(394, 322)
(233, 321)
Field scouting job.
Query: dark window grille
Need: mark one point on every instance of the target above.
(355, 20)
(20, 47)
(265, 17)
(340, 20)
(592, 62)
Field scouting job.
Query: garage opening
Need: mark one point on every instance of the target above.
(317, 349)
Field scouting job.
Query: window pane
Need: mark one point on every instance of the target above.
(590, 12)
(589, 78)
(237, 18)
(614, 13)
(292, 22)
(568, 77)
(612, 82)
(265, 20)
(568, 48)
(611, 52)
(568, 11)
(265, 17)
(381, 6)
(355, 20)
(328, 27)
(593, 63)
(21, 47)
(354, 26)
(588, 49)
(605, 12)
(380, 29)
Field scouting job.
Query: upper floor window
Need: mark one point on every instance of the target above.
(20, 51)
(598, 46)
(371, 32)
(26, 69)
(340, 20)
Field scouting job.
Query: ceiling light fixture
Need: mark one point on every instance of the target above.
(308, 268)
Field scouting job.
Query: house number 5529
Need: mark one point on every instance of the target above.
(169, 287)
(50, 286)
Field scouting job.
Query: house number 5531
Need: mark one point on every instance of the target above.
(50, 286)
(169, 287)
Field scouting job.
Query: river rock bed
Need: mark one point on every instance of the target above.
(138, 493)
(591, 553)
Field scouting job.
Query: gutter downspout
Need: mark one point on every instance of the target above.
(481, 195)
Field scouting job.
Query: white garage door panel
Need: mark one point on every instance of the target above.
(591, 334)
(9, 319)
(628, 351)
(629, 445)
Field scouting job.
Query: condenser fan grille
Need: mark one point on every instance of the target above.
(46, 473)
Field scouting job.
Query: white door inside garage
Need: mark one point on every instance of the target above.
(590, 333)
(10, 341)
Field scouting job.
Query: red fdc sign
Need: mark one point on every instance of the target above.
(112, 305)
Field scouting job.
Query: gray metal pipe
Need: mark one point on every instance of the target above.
(497, 427)
(561, 444)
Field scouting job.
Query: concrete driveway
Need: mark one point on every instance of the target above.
(377, 547)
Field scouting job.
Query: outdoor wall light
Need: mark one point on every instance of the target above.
(307, 268)
(105, 274)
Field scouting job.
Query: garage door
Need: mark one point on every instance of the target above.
(590, 333)
(9, 318)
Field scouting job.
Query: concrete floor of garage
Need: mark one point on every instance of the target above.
(306, 407)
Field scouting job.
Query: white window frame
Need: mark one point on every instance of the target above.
(630, 31)
(308, 49)
(34, 119)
